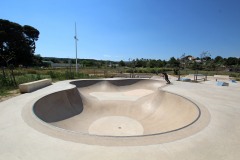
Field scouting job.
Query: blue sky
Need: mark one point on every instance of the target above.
(123, 29)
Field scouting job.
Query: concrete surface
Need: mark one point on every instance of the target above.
(35, 85)
(225, 77)
(24, 136)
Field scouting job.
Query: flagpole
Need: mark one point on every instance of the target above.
(75, 37)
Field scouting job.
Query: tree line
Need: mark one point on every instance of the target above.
(204, 63)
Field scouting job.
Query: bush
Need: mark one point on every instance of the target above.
(176, 71)
(52, 74)
(152, 70)
(129, 70)
(232, 75)
(66, 75)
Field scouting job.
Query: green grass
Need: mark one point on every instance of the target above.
(34, 74)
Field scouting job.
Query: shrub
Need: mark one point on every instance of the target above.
(233, 75)
(52, 74)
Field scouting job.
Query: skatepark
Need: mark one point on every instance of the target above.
(123, 119)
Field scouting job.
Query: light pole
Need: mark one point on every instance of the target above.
(75, 37)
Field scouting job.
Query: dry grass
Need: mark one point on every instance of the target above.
(10, 94)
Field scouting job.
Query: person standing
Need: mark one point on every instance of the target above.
(166, 77)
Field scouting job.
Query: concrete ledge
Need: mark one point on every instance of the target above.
(219, 83)
(185, 79)
(233, 81)
(35, 85)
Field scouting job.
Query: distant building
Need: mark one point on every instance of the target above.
(190, 58)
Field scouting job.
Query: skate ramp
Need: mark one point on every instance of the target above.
(117, 108)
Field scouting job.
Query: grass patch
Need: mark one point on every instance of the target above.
(30, 77)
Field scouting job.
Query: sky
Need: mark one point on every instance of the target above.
(129, 29)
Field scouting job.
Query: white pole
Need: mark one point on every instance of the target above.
(75, 37)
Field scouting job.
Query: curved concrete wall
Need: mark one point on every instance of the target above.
(120, 82)
(59, 106)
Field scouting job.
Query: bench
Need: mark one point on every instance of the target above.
(35, 85)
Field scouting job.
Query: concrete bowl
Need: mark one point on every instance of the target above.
(119, 112)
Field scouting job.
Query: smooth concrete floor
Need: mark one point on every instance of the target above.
(220, 140)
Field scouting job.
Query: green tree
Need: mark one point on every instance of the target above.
(231, 61)
(218, 60)
(153, 63)
(160, 63)
(17, 43)
(122, 64)
(141, 62)
(174, 63)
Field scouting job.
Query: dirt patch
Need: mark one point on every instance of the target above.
(10, 94)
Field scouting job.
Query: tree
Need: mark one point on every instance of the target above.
(153, 63)
(205, 56)
(174, 63)
(160, 63)
(122, 64)
(37, 60)
(17, 43)
(218, 60)
(139, 62)
(231, 61)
